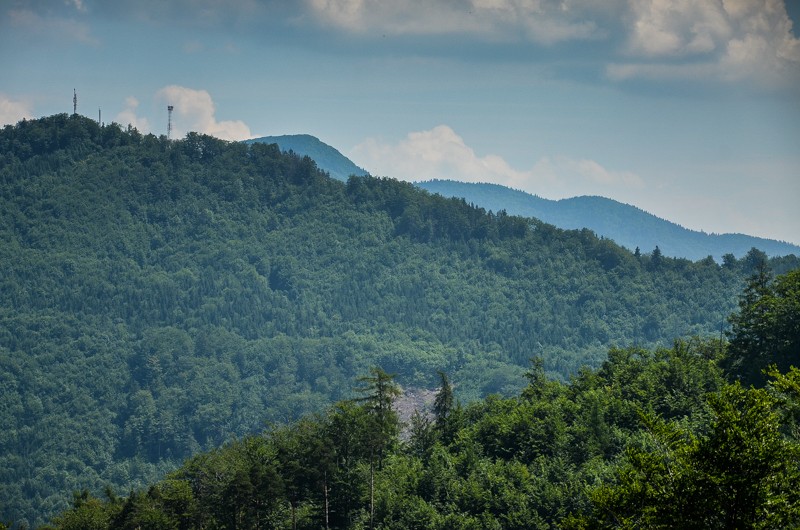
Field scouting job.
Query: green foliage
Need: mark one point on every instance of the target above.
(766, 330)
(377, 398)
(443, 403)
(87, 513)
(160, 298)
(652, 439)
(742, 473)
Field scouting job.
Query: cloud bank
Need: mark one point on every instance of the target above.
(440, 153)
(723, 41)
(728, 40)
(541, 21)
(717, 40)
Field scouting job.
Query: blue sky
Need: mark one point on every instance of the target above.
(688, 109)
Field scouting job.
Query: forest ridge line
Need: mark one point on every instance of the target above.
(625, 224)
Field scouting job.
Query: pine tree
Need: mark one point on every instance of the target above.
(443, 404)
(379, 394)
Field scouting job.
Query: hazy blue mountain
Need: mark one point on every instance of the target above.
(327, 158)
(627, 225)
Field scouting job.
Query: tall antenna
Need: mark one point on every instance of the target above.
(170, 108)
(99, 117)
(74, 101)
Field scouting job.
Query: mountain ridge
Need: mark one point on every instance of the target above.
(627, 225)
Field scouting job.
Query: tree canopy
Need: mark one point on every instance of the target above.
(766, 329)
(652, 439)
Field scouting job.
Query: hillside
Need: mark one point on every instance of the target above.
(651, 439)
(556, 456)
(627, 225)
(326, 157)
(161, 297)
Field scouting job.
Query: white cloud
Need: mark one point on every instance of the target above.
(12, 111)
(727, 41)
(442, 154)
(437, 153)
(195, 111)
(587, 175)
(677, 27)
(723, 40)
(128, 116)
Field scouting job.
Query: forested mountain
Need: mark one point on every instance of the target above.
(651, 439)
(627, 225)
(326, 157)
(160, 297)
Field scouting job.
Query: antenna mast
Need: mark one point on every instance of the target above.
(74, 101)
(170, 108)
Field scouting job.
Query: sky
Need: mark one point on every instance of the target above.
(688, 109)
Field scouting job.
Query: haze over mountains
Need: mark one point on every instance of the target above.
(627, 225)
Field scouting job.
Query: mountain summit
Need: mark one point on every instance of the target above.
(327, 158)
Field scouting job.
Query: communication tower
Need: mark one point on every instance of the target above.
(74, 101)
(170, 108)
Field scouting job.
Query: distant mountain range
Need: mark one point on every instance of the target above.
(327, 158)
(627, 225)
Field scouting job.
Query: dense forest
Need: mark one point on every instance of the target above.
(159, 298)
(673, 438)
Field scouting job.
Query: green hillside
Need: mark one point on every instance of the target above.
(627, 225)
(607, 452)
(161, 297)
(651, 439)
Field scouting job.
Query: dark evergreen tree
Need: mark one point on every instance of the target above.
(444, 401)
(766, 330)
(378, 396)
